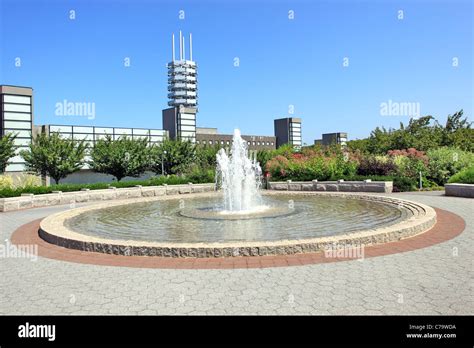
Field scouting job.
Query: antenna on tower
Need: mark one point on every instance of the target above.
(180, 45)
(184, 50)
(190, 46)
(173, 46)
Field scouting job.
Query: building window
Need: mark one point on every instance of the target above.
(204, 142)
(222, 142)
(197, 141)
(227, 142)
(253, 143)
(272, 143)
(210, 142)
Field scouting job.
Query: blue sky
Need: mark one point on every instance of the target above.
(283, 61)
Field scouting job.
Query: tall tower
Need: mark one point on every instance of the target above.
(180, 118)
(182, 76)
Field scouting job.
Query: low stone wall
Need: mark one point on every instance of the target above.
(459, 190)
(334, 186)
(44, 200)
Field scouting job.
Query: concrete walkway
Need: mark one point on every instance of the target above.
(435, 280)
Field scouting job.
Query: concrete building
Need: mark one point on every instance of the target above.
(288, 131)
(16, 116)
(332, 138)
(180, 123)
(210, 136)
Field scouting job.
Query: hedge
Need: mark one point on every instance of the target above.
(155, 181)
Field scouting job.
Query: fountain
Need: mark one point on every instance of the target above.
(239, 178)
(239, 220)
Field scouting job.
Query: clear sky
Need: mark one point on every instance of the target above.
(426, 57)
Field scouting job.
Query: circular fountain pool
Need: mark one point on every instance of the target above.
(291, 223)
(239, 221)
(200, 220)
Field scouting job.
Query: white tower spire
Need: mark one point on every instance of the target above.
(184, 50)
(190, 46)
(180, 45)
(173, 47)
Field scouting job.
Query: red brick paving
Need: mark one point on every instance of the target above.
(448, 226)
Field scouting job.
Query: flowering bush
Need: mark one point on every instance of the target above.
(276, 166)
(312, 165)
(402, 166)
(409, 162)
(377, 165)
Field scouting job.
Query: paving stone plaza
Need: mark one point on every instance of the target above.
(434, 280)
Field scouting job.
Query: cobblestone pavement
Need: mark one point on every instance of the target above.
(435, 280)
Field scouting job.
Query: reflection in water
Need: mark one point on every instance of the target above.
(161, 221)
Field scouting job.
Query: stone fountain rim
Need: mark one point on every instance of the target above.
(53, 230)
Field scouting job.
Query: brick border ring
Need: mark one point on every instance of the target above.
(421, 218)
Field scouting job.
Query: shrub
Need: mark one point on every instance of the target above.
(6, 182)
(466, 176)
(199, 175)
(277, 167)
(409, 162)
(445, 162)
(263, 156)
(310, 165)
(154, 181)
(26, 180)
(376, 165)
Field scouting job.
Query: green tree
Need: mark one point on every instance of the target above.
(206, 156)
(54, 156)
(7, 149)
(358, 145)
(463, 139)
(379, 141)
(120, 158)
(457, 132)
(422, 133)
(173, 156)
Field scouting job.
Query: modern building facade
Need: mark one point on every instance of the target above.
(210, 137)
(332, 138)
(288, 131)
(92, 133)
(180, 122)
(16, 117)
